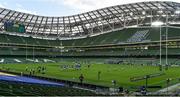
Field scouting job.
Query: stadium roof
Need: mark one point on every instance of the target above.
(94, 22)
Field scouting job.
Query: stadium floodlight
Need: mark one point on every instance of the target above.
(177, 12)
(143, 12)
(160, 11)
(122, 15)
(157, 23)
(131, 14)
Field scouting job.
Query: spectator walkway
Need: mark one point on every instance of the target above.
(170, 89)
(15, 78)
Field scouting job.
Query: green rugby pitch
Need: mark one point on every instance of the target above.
(121, 73)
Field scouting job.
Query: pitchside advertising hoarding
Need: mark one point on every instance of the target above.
(11, 26)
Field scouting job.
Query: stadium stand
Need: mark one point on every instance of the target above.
(25, 89)
(122, 31)
(139, 36)
(131, 35)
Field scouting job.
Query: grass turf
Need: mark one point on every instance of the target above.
(121, 73)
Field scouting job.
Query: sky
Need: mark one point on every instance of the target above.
(63, 7)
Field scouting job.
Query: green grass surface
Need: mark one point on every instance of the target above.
(121, 73)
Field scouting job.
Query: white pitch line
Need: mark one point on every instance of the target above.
(1, 73)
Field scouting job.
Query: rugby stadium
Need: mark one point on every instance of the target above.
(131, 49)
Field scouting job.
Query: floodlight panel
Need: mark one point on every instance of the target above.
(157, 23)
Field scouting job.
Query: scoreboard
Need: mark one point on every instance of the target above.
(11, 26)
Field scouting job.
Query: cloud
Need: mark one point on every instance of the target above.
(76, 6)
(19, 5)
(3, 4)
(81, 5)
(20, 8)
(88, 5)
(26, 11)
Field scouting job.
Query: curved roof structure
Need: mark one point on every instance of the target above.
(94, 22)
